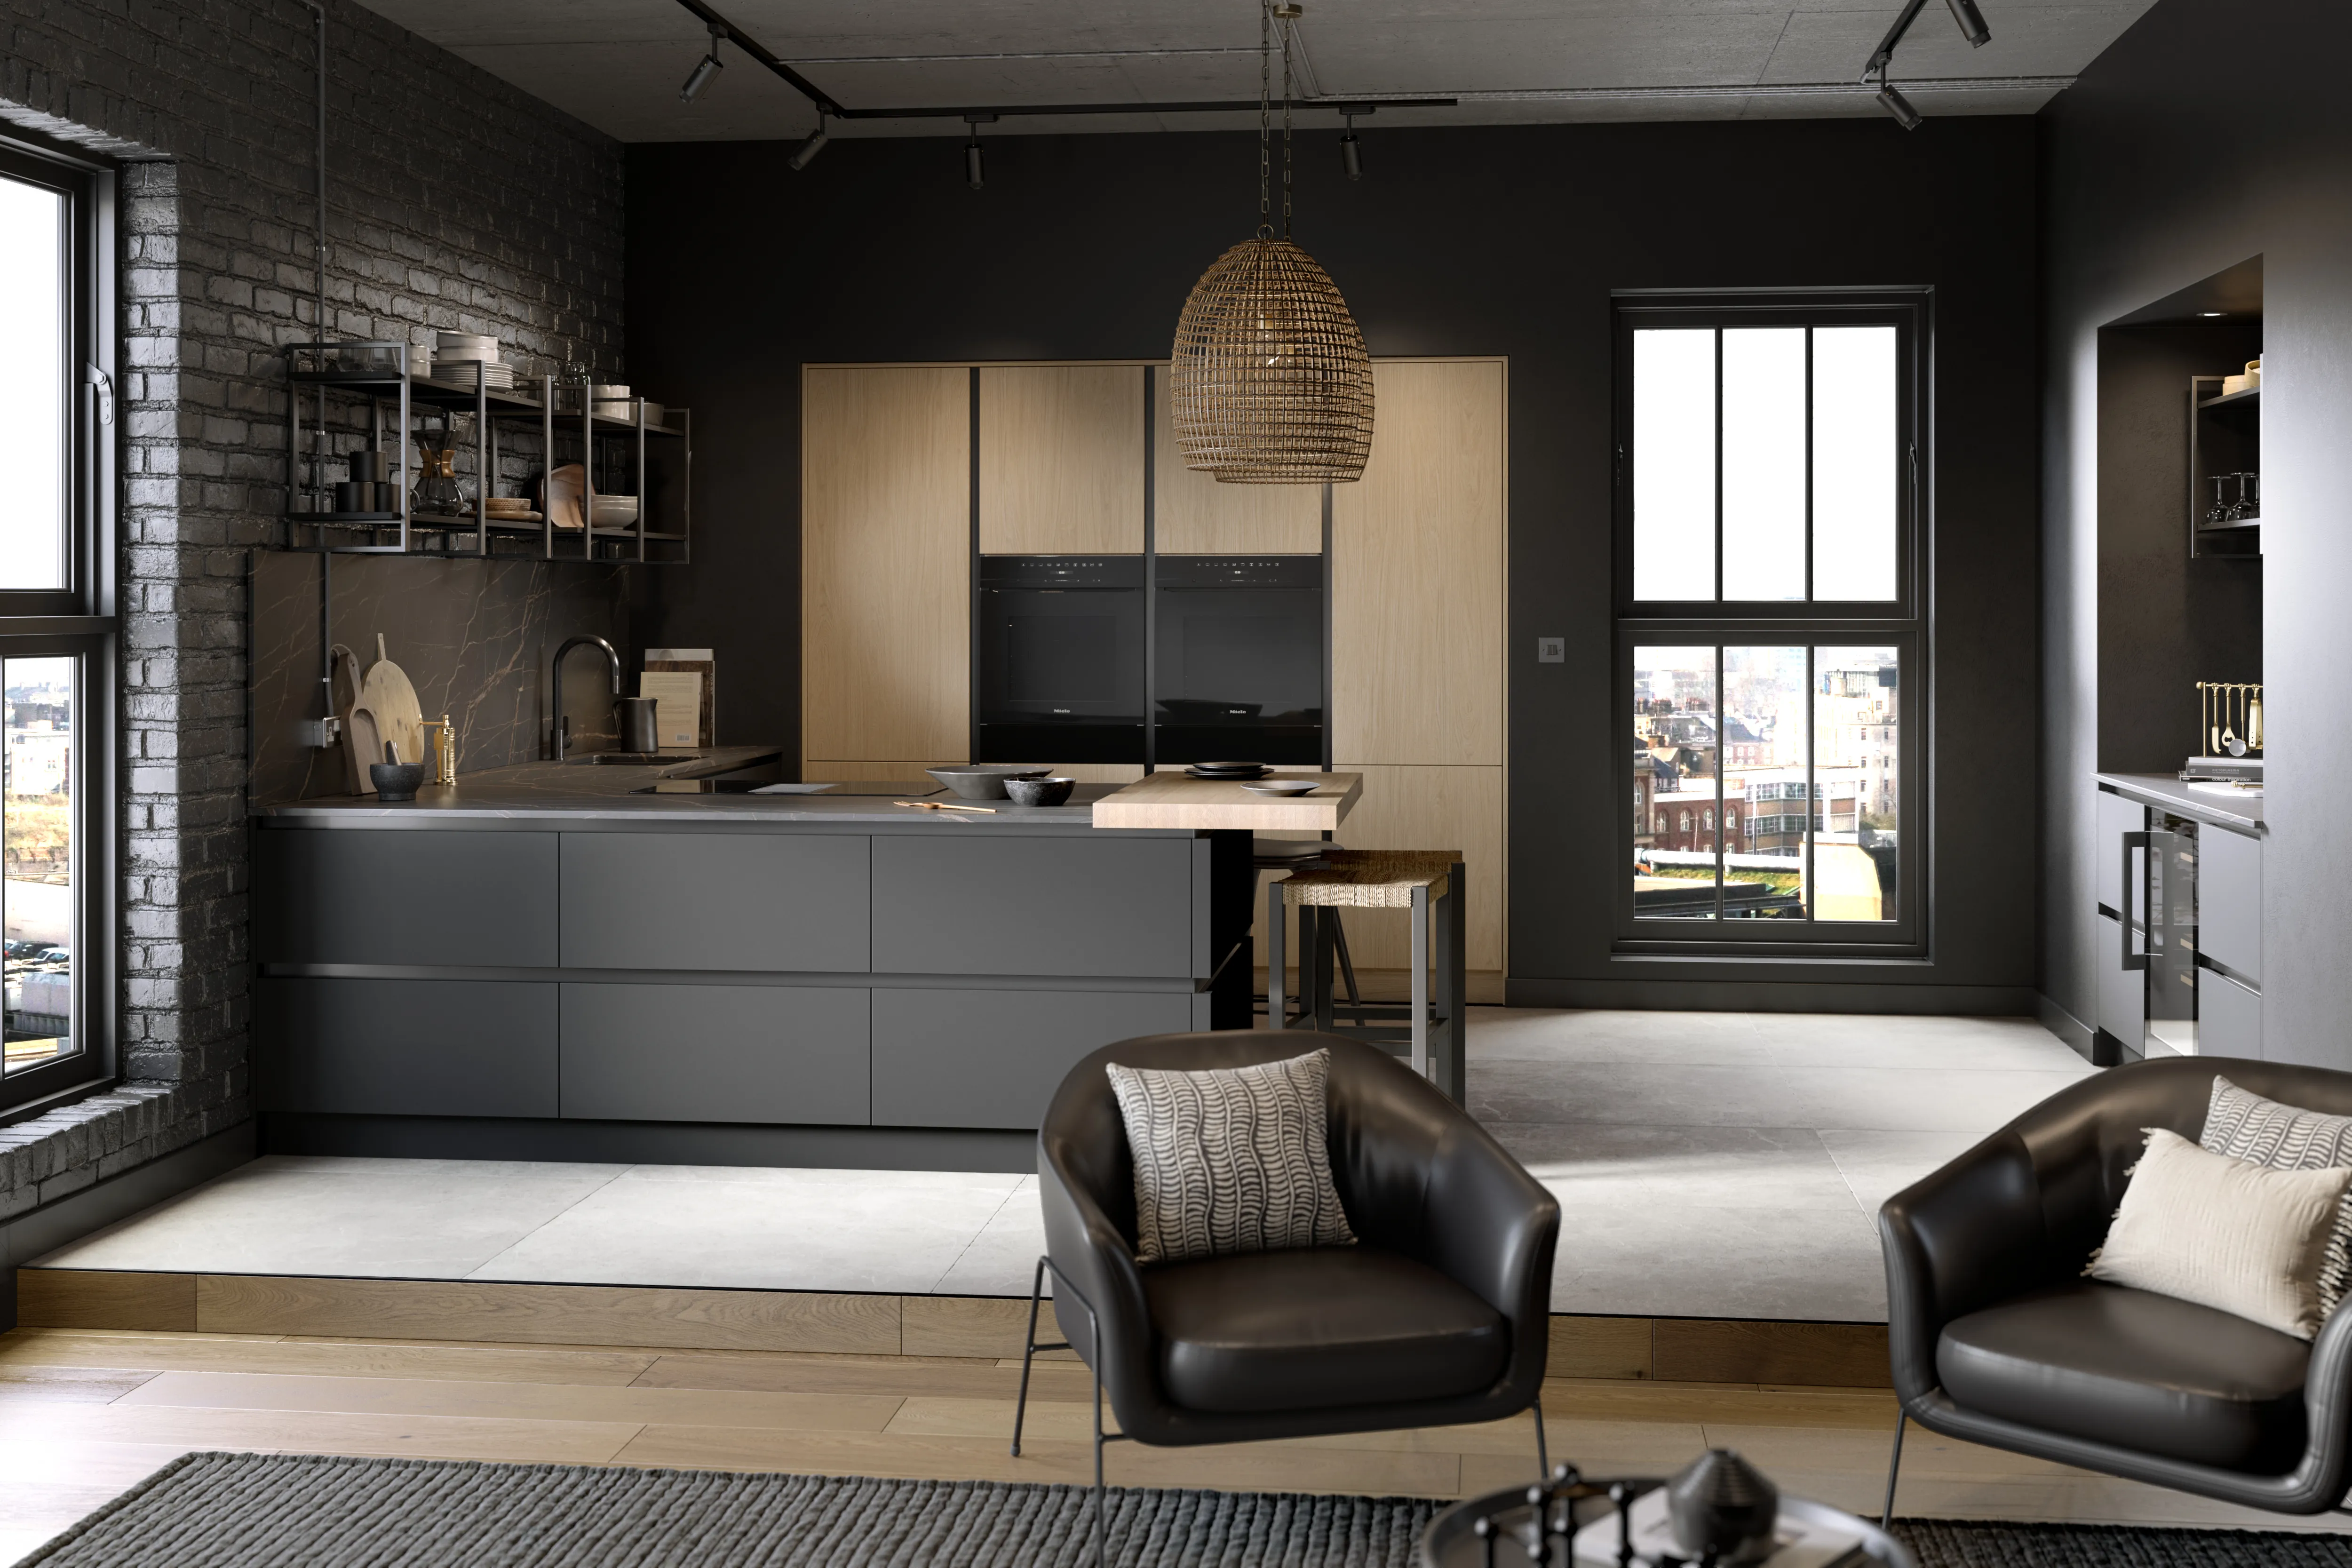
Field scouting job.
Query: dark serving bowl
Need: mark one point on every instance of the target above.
(984, 781)
(1039, 792)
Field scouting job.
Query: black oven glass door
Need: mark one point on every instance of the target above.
(1061, 661)
(1240, 668)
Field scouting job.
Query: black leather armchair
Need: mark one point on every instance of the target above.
(1439, 1315)
(1997, 1339)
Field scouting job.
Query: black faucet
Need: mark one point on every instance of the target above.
(555, 680)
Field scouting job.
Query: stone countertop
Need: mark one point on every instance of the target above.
(2237, 810)
(590, 792)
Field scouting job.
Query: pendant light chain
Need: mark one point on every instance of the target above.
(1286, 27)
(1265, 110)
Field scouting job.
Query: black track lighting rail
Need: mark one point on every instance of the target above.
(827, 105)
(1882, 58)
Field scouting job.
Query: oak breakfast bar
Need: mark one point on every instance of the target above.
(574, 961)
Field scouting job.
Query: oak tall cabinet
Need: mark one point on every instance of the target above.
(1417, 572)
(885, 568)
(1061, 460)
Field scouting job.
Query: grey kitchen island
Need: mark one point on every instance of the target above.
(548, 962)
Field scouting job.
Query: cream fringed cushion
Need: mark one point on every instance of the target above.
(2224, 1234)
(1230, 1159)
(2245, 1126)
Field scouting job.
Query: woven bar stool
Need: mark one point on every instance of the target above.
(1296, 855)
(1429, 882)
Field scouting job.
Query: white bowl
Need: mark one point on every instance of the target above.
(616, 512)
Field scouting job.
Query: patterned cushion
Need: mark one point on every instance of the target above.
(1231, 1159)
(2244, 1126)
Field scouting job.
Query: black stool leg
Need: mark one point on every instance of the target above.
(1347, 965)
(1543, 1453)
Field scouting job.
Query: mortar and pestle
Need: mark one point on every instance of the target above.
(394, 779)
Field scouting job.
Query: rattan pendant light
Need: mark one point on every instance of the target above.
(1269, 383)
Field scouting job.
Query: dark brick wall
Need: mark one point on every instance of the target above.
(455, 202)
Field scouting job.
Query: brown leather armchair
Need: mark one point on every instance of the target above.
(1996, 1338)
(1441, 1313)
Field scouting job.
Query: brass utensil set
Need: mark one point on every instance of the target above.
(2232, 714)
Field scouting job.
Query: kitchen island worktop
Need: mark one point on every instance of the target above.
(582, 791)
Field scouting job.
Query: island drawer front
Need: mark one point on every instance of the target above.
(993, 1058)
(717, 1053)
(982, 905)
(756, 902)
(418, 896)
(407, 1047)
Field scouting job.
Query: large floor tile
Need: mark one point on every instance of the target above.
(431, 1219)
(1764, 1095)
(1695, 1262)
(1599, 1034)
(1959, 1044)
(755, 1228)
(1878, 1164)
(1002, 1259)
(1595, 1163)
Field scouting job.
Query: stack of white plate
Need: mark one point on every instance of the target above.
(455, 353)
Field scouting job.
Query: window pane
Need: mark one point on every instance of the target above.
(33, 386)
(1764, 463)
(1764, 782)
(1674, 464)
(37, 897)
(1857, 481)
(1857, 755)
(1674, 750)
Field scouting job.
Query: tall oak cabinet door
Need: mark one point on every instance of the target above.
(1061, 460)
(1417, 572)
(885, 591)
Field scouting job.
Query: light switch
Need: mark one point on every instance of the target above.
(1551, 650)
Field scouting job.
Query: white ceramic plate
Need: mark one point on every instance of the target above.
(1282, 786)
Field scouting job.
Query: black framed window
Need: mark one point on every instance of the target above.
(1771, 649)
(59, 670)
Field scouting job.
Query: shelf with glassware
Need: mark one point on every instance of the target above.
(2225, 479)
(627, 498)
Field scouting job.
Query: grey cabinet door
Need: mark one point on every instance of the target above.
(989, 905)
(2230, 901)
(405, 1048)
(403, 895)
(716, 1053)
(2123, 993)
(993, 1058)
(2118, 817)
(762, 902)
(2228, 1017)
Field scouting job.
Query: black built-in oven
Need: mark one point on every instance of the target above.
(1239, 671)
(1060, 659)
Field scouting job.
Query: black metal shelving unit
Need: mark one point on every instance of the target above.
(568, 421)
(2225, 437)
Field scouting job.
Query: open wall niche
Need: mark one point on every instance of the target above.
(2180, 599)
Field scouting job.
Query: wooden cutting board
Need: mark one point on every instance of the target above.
(344, 670)
(386, 694)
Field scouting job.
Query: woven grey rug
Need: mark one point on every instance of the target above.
(284, 1511)
(1968, 1543)
(281, 1510)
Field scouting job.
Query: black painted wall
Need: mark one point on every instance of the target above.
(2211, 132)
(1462, 241)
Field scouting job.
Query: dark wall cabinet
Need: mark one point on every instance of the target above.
(752, 978)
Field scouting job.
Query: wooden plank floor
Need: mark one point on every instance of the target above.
(85, 1413)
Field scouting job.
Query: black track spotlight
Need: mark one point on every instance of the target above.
(709, 66)
(1897, 105)
(976, 171)
(1971, 21)
(805, 153)
(1351, 151)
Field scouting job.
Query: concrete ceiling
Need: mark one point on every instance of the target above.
(618, 64)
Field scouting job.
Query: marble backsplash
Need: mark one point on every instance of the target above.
(474, 638)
